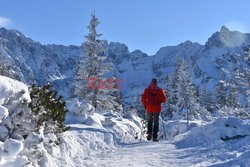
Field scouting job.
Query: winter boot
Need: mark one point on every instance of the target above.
(149, 136)
(155, 140)
(155, 136)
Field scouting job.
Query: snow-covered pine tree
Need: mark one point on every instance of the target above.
(4, 68)
(48, 108)
(167, 111)
(233, 97)
(110, 101)
(221, 96)
(114, 97)
(173, 88)
(242, 77)
(91, 64)
(206, 99)
(117, 101)
(231, 90)
(187, 91)
(187, 104)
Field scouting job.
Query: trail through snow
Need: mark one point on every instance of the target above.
(143, 154)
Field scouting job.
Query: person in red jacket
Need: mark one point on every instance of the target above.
(152, 99)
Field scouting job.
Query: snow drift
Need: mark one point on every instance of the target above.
(219, 131)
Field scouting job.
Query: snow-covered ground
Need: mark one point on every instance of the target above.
(90, 136)
(110, 140)
(201, 146)
(223, 142)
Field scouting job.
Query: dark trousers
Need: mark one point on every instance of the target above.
(153, 124)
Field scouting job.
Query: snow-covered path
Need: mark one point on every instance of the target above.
(145, 154)
(95, 146)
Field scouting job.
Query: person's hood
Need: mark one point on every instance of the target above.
(153, 86)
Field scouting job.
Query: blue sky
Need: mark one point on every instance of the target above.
(140, 24)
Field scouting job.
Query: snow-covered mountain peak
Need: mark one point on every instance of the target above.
(137, 54)
(183, 49)
(118, 48)
(227, 39)
(224, 29)
(187, 43)
(14, 35)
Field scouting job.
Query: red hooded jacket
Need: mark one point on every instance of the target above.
(152, 103)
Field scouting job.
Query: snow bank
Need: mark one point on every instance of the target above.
(3, 113)
(236, 154)
(223, 129)
(91, 136)
(12, 147)
(9, 151)
(123, 130)
(9, 87)
(77, 107)
(80, 147)
(224, 142)
(177, 127)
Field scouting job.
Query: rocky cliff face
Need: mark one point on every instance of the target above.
(32, 62)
